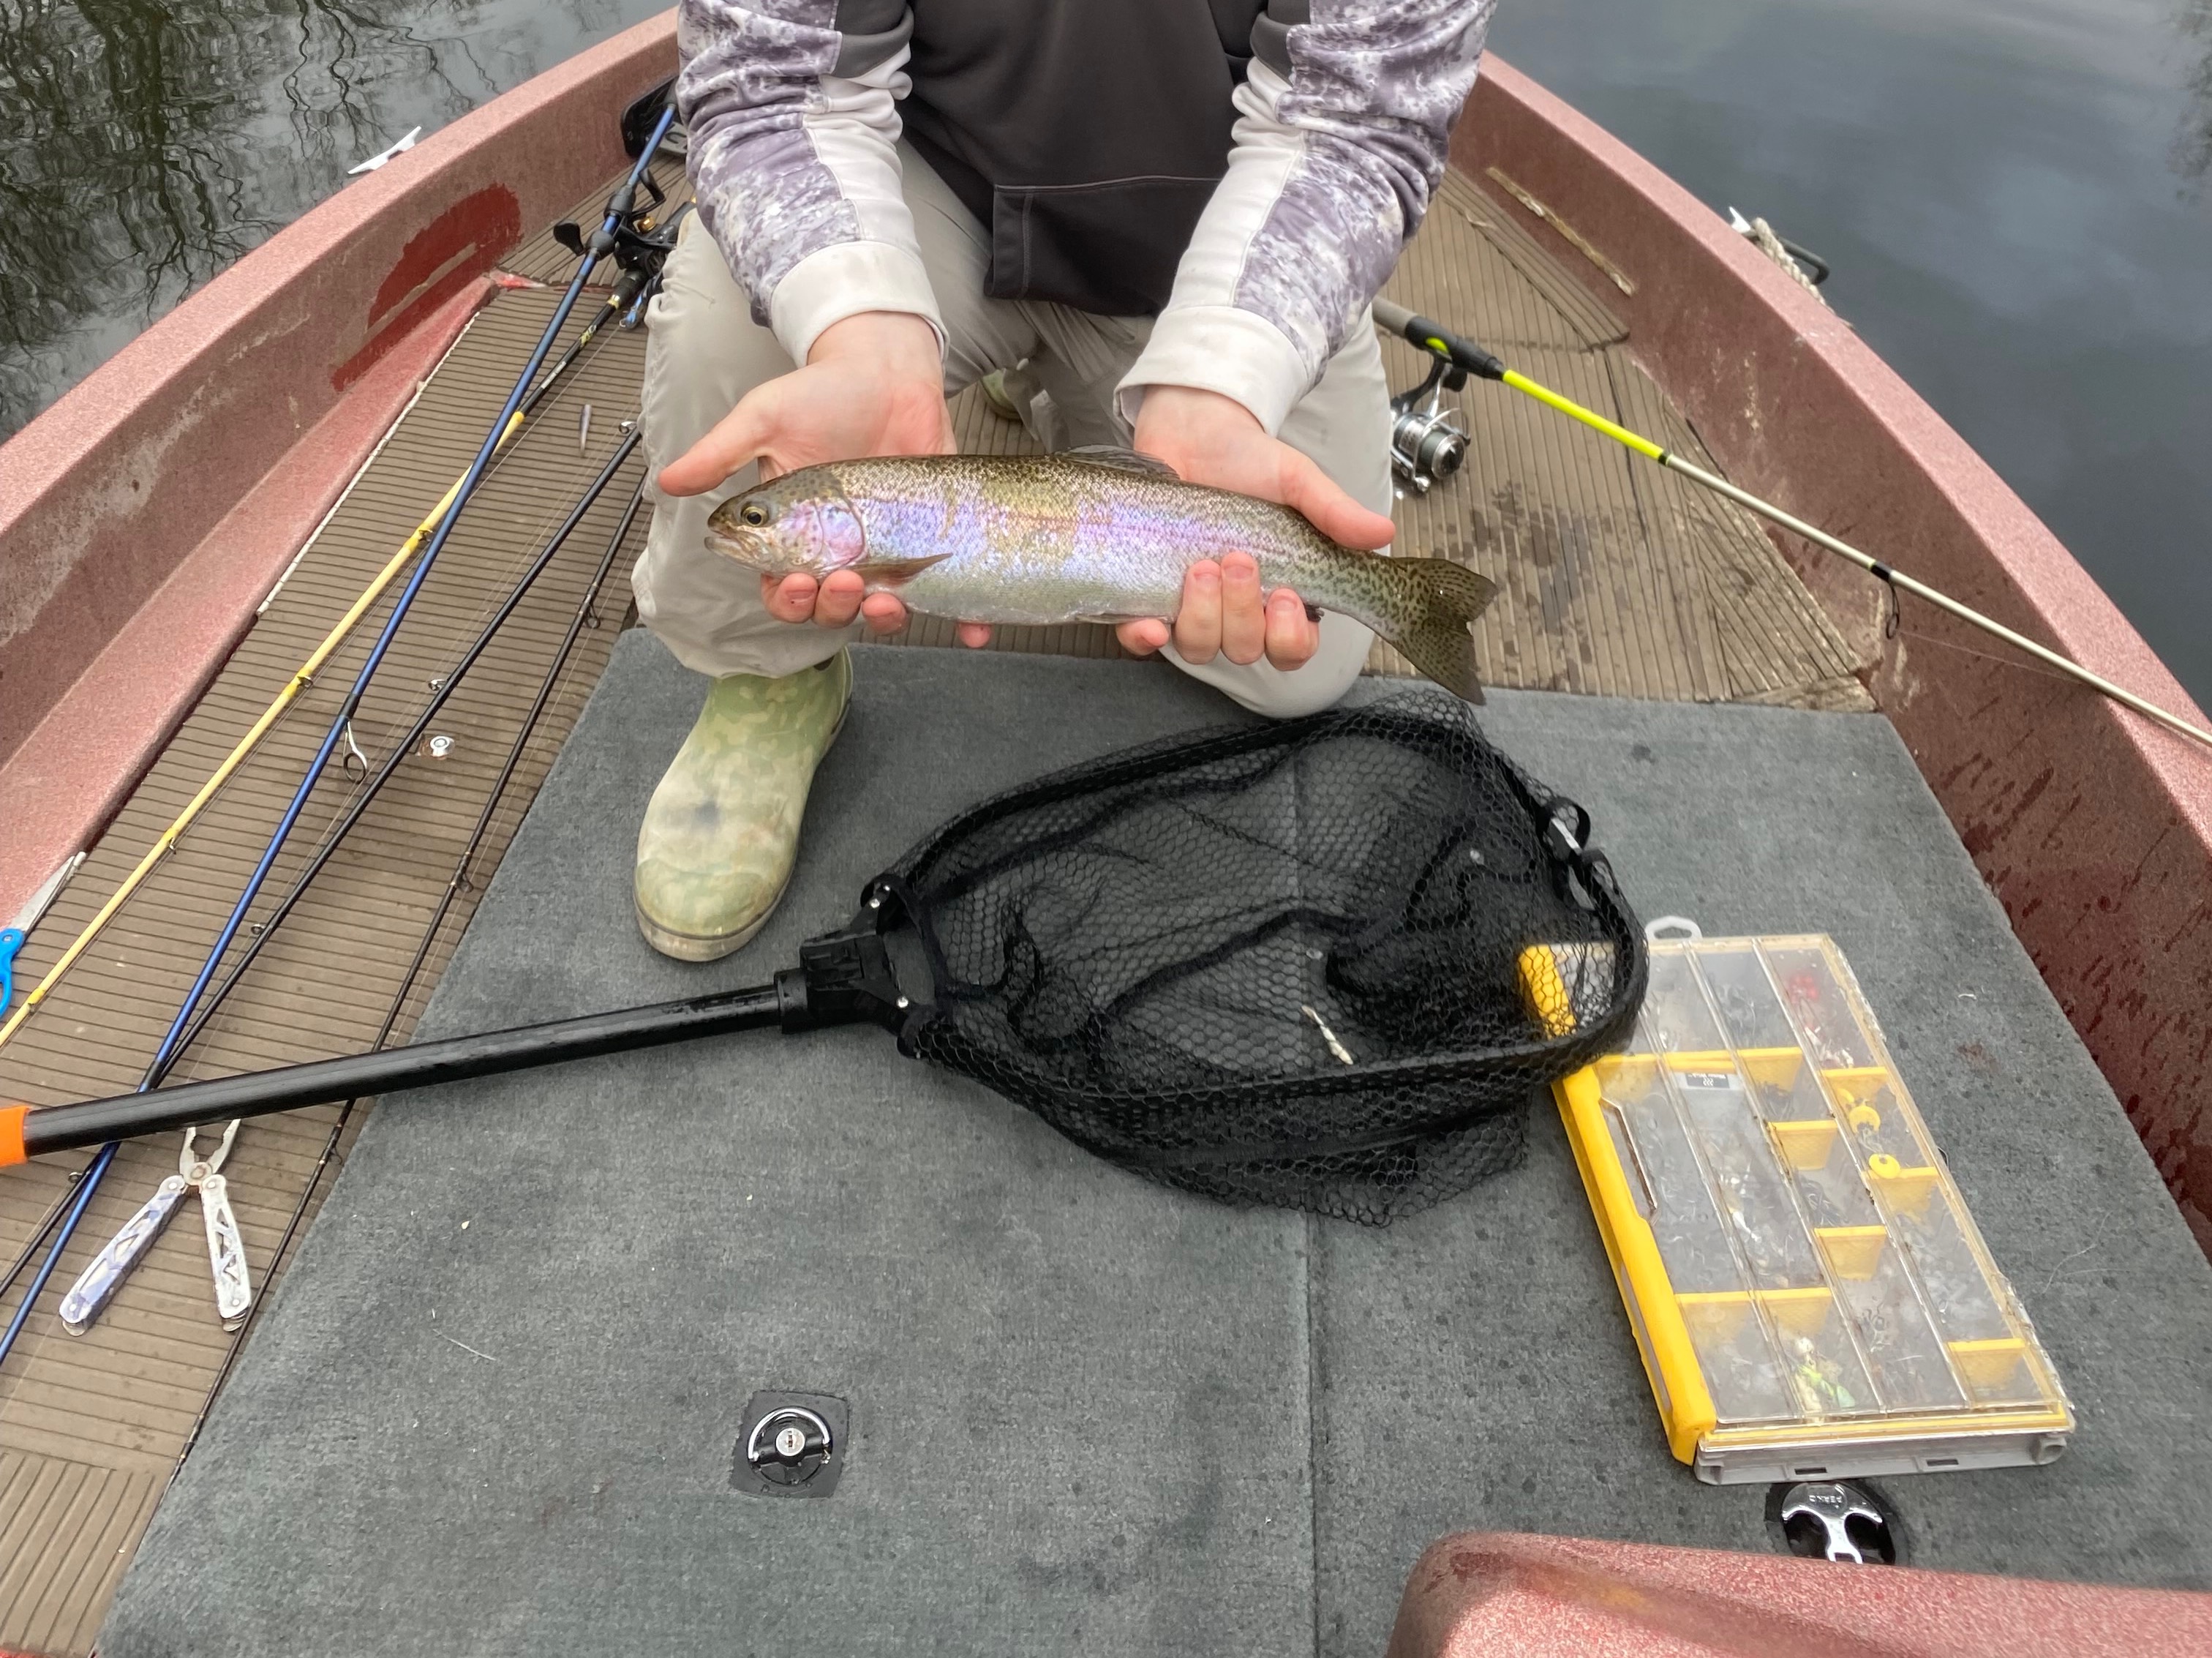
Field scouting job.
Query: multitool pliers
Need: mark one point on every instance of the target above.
(234, 1289)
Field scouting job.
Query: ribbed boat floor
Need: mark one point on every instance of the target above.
(92, 1426)
(1615, 580)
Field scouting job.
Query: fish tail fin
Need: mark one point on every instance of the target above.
(1438, 637)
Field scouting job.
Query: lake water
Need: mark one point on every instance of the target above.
(149, 145)
(2013, 193)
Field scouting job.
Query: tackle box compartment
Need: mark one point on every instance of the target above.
(1811, 1298)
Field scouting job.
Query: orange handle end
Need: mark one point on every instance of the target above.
(11, 1134)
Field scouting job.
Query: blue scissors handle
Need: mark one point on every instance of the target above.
(11, 940)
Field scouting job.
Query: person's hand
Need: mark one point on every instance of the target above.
(1215, 440)
(874, 384)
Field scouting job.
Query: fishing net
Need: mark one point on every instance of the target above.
(1320, 963)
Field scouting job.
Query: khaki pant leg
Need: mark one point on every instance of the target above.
(703, 354)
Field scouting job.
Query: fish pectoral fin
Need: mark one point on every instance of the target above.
(1121, 460)
(896, 572)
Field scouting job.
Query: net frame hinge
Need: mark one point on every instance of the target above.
(846, 977)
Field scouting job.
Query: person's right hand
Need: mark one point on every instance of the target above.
(874, 384)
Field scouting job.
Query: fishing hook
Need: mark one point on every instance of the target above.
(1892, 609)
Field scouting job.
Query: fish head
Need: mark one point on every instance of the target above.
(802, 521)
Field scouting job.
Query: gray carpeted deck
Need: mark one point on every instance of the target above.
(493, 1408)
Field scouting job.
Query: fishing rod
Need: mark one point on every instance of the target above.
(443, 688)
(447, 686)
(458, 883)
(630, 289)
(603, 242)
(1469, 358)
(100, 1280)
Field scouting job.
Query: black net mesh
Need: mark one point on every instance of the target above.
(1321, 963)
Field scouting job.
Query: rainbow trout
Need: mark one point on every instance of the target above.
(1090, 535)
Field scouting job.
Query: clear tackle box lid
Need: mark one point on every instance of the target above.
(1811, 1297)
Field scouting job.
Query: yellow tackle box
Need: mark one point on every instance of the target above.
(1811, 1297)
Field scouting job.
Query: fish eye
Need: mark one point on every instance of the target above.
(755, 514)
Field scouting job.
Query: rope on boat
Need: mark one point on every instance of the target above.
(1792, 259)
(1466, 355)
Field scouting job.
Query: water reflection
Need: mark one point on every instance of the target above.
(152, 143)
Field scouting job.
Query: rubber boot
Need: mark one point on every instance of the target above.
(722, 833)
(998, 399)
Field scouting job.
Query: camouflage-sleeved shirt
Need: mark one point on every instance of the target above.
(1338, 140)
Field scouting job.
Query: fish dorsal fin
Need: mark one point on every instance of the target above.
(1121, 460)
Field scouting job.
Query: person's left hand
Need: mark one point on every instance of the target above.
(1215, 440)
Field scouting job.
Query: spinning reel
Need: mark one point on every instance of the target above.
(1427, 443)
(643, 239)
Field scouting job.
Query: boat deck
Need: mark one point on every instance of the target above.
(495, 1407)
(1615, 582)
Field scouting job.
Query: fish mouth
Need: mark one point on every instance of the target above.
(757, 552)
(743, 546)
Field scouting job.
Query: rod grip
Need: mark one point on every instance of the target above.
(11, 1134)
(1433, 336)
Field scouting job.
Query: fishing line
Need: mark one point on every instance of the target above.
(604, 242)
(1465, 355)
(459, 883)
(1989, 656)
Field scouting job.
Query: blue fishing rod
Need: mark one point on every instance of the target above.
(602, 243)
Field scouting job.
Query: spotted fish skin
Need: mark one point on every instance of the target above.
(1051, 538)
